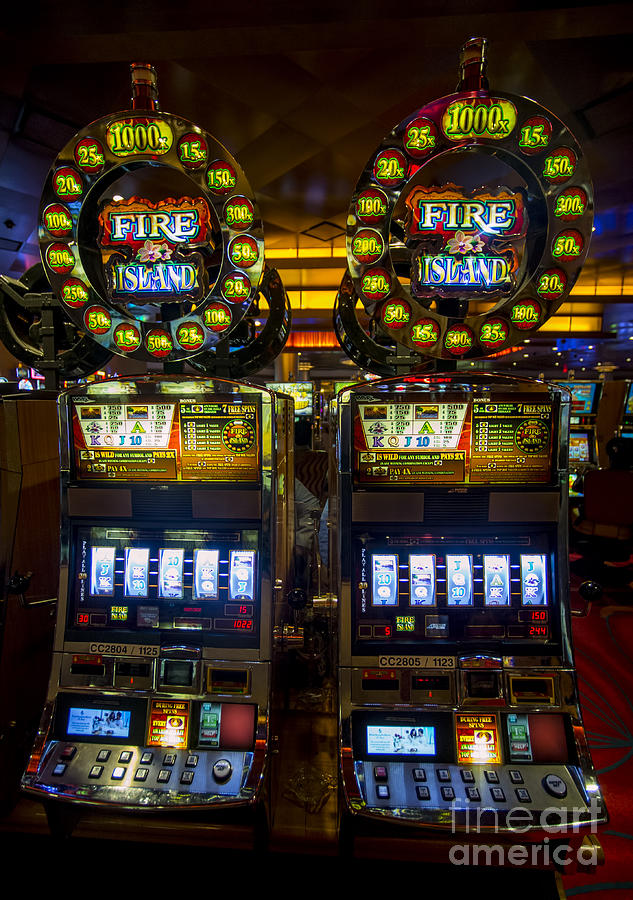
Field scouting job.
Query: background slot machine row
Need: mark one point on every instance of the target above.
(161, 672)
(456, 677)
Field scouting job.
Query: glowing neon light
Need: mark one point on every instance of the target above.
(164, 277)
(443, 211)
(136, 220)
(494, 118)
(472, 271)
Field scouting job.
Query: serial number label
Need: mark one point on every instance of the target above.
(121, 649)
(416, 662)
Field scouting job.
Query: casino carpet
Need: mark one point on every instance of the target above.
(603, 643)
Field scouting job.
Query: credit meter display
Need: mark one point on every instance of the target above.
(136, 571)
(205, 579)
(496, 580)
(102, 572)
(241, 575)
(422, 579)
(384, 579)
(170, 574)
(459, 580)
(533, 581)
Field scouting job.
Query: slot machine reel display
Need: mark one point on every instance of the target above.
(457, 689)
(159, 695)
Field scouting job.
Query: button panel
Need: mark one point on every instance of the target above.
(113, 770)
(407, 785)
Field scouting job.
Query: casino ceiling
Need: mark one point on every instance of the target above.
(301, 94)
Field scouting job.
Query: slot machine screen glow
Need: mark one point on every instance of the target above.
(413, 441)
(155, 439)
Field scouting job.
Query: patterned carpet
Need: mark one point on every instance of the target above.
(603, 644)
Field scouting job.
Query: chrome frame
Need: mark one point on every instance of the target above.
(560, 665)
(257, 660)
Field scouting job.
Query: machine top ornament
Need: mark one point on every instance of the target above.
(149, 232)
(471, 221)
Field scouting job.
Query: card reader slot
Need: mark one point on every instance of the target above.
(378, 684)
(92, 669)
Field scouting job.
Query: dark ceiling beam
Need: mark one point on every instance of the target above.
(439, 31)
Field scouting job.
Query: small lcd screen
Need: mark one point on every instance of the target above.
(168, 723)
(300, 391)
(496, 580)
(405, 740)
(422, 579)
(459, 580)
(136, 571)
(170, 583)
(533, 580)
(210, 716)
(226, 725)
(384, 579)
(89, 722)
(102, 571)
(583, 396)
(477, 739)
(579, 447)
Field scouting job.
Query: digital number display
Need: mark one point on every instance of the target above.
(233, 624)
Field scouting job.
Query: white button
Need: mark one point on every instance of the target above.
(222, 769)
(555, 786)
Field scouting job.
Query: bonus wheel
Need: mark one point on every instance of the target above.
(469, 224)
(21, 329)
(151, 236)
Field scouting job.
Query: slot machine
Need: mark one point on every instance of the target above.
(458, 697)
(173, 551)
(583, 435)
(161, 668)
(625, 429)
